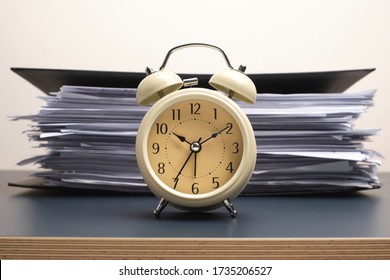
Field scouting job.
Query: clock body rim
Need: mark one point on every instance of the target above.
(210, 200)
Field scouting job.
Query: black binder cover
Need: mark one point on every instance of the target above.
(50, 80)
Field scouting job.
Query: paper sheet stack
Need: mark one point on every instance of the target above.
(306, 143)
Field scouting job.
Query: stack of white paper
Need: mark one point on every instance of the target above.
(305, 142)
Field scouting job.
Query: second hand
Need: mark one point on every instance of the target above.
(196, 149)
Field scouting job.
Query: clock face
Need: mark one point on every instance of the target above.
(195, 146)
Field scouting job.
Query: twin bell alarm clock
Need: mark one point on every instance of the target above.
(195, 147)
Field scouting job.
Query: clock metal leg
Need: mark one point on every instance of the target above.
(161, 205)
(230, 208)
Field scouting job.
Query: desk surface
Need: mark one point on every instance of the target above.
(37, 213)
(25, 212)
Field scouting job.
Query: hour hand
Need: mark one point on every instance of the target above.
(215, 134)
(181, 138)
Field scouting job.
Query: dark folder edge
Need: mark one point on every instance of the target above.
(38, 184)
(50, 80)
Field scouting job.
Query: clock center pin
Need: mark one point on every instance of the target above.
(196, 147)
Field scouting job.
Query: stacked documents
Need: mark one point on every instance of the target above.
(308, 143)
(305, 142)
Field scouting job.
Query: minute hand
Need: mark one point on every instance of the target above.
(181, 169)
(215, 134)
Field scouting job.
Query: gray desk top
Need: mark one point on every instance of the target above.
(25, 212)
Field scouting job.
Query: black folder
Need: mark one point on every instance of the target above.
(50, 80)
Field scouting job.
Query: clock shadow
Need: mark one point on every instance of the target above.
(194, 216)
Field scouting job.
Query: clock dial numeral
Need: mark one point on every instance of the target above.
(176, 114)
(175, 180)
(195, 107)
(236, 150)
(162, 128)
(156, 148)
(229, 128)
(215, 113)
(216, 186)
(230, 167)
(161, 168)
(194, 188)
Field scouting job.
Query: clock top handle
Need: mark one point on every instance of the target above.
(232, 82)
(171, 51)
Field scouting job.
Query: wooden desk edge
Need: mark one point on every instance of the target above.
(192, 248)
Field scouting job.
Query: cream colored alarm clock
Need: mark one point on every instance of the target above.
(195, 147)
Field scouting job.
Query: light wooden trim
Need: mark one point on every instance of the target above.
(193, 248)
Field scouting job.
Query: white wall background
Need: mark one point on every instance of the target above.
(123, 35)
